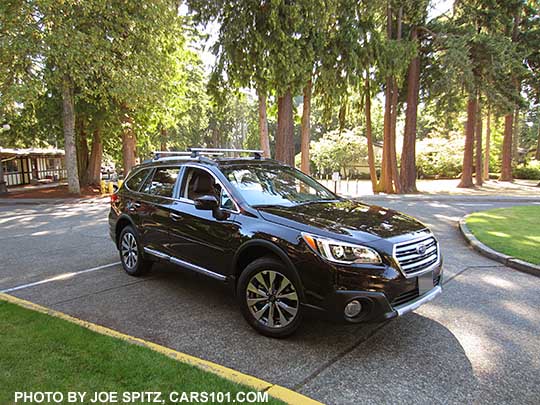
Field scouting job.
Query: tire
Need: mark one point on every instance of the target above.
(131, 253)
(269, 297)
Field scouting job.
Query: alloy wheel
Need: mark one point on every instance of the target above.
(272, 299)
(129, 250)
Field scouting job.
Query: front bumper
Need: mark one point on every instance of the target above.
(421, 300)
(377, 306)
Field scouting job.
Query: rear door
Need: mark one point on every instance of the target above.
(132, 199)
(156, 207)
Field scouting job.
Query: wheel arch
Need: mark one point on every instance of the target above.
(121, 223)
(257, 248)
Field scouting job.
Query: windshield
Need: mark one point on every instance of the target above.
(276, 185)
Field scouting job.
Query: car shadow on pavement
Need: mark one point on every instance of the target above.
(199, 316)
(412, 359)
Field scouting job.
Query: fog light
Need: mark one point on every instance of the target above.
(353, 308)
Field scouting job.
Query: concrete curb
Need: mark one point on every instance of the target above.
(507, 260)
(274, 390)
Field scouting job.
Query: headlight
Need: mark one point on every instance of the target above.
(341, 252)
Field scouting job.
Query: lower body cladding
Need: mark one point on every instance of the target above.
(398, 297)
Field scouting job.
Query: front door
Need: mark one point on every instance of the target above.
(197, 236)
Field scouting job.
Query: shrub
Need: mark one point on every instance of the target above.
(340, 151)
(439, 157)
(529, 171)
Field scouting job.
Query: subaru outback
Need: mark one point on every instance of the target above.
(284, 243)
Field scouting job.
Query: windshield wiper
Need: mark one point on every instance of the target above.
(269, 205)
(317, 201)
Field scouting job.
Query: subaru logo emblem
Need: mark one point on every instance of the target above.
(421, 249)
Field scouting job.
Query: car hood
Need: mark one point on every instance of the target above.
(348, 218)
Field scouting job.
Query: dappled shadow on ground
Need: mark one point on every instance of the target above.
(51, 191)
(40, 241)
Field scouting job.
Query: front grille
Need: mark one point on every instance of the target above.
(405, 297)
(412, 257)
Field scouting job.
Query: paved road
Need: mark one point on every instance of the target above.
(478, 342)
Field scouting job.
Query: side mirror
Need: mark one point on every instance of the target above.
(206, 202)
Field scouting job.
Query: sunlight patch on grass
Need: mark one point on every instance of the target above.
(514, 231)
(499, 234)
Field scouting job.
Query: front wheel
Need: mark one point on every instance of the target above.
(131, 254)
(269, 298)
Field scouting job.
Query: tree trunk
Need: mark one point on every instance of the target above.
(164, 136)
(263, 126)
(488, 144)
(478, 171)
(395, 91)
(515, 136)
(3, 184)
(506, 167)
(93, 173)
(466, 175)
(369, 136)
(68, 118)
(342, 116)
(386, 164)
(408, 153)
(508, 141)
(215, 138)
(82, 150)
(129, 143)
(537, 154)
(306, 129)
(285, 130)
(393, 124)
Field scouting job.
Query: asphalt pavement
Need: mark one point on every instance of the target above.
(476, 343)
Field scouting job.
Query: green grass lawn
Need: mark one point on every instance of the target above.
(514, 231)
(39, 352)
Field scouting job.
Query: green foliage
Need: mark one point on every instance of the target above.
(339, 151)
(439, 157)
(530, 171)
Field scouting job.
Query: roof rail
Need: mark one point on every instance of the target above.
(159, 154)
(257, 154)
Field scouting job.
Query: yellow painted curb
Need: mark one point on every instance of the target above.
(274, 390)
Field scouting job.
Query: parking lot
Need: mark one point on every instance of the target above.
(478, 342)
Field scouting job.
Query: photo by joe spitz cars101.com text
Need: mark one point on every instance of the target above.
(282, 241)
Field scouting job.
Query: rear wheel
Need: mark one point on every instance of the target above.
(131, 254)
(269, 298)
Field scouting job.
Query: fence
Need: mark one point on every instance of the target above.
(348, 187)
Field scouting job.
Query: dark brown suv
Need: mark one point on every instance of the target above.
(281, 240)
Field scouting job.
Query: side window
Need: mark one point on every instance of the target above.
(161, 182)
(197, 182)
(135, 181)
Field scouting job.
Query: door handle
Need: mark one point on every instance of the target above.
(175, 217)
(134, 205)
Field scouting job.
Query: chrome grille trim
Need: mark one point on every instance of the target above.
(410, 262)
